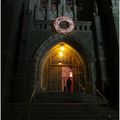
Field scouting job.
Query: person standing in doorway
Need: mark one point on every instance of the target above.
(68, 83)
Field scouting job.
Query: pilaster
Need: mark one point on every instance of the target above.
(75, 10)
(59, 10)
(22, 71)
(48, 9)
(115, 10)
(64, 6)
(101, 54)
(93, 76)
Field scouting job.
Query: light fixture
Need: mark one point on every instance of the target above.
(70, 74)
(60, 54)
(62, 48)
(60, 63)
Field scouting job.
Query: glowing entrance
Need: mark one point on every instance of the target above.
(60, 63)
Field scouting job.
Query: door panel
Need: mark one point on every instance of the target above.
(55, 79)
(78, 76)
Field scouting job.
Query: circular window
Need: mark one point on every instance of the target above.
(63, 25)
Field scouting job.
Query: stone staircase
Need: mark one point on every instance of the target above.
(71, 111)
(51, 106)
(66, 98)
(63, 98)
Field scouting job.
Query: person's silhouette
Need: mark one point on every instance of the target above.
(68, 83)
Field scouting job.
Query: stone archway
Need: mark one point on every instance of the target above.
(58, 64)
(44, 49)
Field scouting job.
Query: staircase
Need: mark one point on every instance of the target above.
(63, 98)
(57, 106)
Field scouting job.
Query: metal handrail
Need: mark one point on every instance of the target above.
(102, 95)
(108, 115)
(81, 86)
(32, 96)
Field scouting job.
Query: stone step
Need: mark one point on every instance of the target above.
(57, 111)
(65, 98)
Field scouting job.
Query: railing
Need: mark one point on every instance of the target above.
(33, 95)
(108, 115)
(81, 88)
(48, 25)
(102, 95)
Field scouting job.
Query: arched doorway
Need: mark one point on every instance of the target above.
(73, 48)
(59, 63)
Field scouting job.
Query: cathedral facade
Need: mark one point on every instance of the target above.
(45, 42)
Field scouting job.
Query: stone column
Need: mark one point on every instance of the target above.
(96, 8)
(64, 6)
(99, 42)
(74, 10)
(115, 11)
(37, 12)
(93, 74)
(23, 85)
(48, 9)
(38, 2)
(60, 9)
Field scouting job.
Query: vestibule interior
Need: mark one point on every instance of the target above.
(61, 62)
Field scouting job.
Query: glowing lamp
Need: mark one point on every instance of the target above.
(70, 74)
(60, 63)
(60, 54)
(62, 48)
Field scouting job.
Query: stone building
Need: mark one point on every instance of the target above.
(38, 59)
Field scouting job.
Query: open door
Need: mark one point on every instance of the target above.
(66, 73)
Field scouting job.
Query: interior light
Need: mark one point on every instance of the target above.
(70, 74)
(61, 54)
(60, 63)
(62, 48)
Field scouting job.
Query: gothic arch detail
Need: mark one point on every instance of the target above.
(71, 40)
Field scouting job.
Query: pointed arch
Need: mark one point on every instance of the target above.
(45, 47)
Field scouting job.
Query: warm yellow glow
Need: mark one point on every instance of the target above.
(60, 54)
(62, 48)
(60, 63)
(70, 74)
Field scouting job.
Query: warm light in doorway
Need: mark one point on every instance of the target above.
(62, 48)
(60, 54)
(70, 74)
(60, 63)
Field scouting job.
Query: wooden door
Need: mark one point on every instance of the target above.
(55, 79)
(78, 76)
